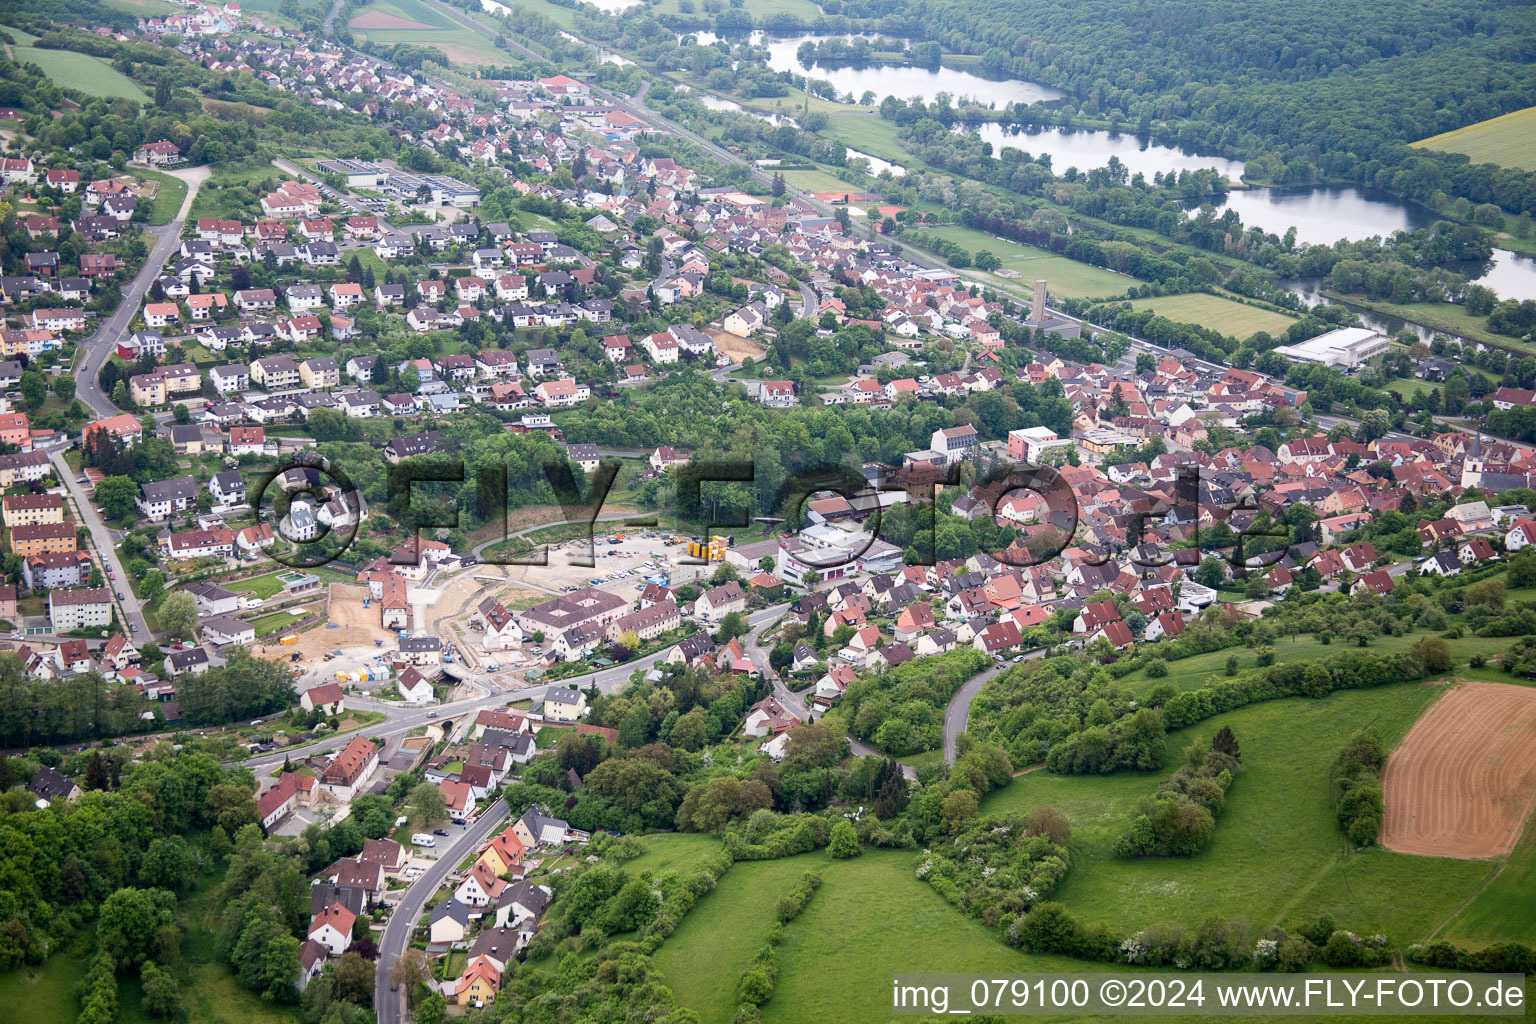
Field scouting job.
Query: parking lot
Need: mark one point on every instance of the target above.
(620, 566)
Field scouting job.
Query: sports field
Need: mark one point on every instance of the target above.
(418, 23)
(1231, 318)
(82, 72)
(1067, 277)
(1509, 141)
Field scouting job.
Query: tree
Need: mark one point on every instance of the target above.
(1433, 653)
(958, 809)
(731, 627)
(130, 921)
(115, 495)
(1212, 572)
(409, 971)
(34, 390)
(354, 979)
(178, 614)
(433, 1010)
(64, 386)
(844, 841)
(169, 863)
(152, 585)
(1373, 424)
(162, 996)
(426, 804)
(691, 731)
(96, 777)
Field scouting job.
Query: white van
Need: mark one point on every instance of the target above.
(422, 839)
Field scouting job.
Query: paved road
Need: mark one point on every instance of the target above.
(99, 345)
(957, 714)
(801, 708)
(397, 933)
(342, 198)
(330, 19)
(608, 680)
(101, 539)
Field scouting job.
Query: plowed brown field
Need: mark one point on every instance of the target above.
(1463, 781)
(378, 19)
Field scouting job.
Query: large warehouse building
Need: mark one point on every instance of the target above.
(1346, 347)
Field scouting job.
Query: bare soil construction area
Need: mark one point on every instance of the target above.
(734, 345)
(356, 626)
(1463, 781)
(378, 19)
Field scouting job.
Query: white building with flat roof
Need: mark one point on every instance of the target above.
(1345, 347)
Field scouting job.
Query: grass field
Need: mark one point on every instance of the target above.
(82, 72)
(266, 625)
(1205, 669)
(259, 586)
(145, 8)
(1232, 318)
(1509, 141)
(458, 42)
(680, 852)
(168, 199)
(849, 932)
(1067, 278)
(818, 181)
(1505, 908)
(865, 130)
(1277, 856)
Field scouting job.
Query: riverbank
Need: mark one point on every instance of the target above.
(1445, 317)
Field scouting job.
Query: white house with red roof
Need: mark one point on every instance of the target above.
(332, 928)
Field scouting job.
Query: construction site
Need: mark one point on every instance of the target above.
(353, 647)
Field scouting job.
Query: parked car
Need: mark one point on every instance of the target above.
(439, 831)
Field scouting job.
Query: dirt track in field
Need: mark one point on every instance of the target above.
(1463, 781)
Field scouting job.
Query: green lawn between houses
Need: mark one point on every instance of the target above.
(168, 200)
(267, 625)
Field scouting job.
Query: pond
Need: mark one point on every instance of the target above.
(603, 56)
(876, 164)
(1088, 149)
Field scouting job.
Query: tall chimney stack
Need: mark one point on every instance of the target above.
(1038, 315)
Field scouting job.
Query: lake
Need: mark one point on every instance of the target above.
(905, 81)
(1087, 149)
(900, 80)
